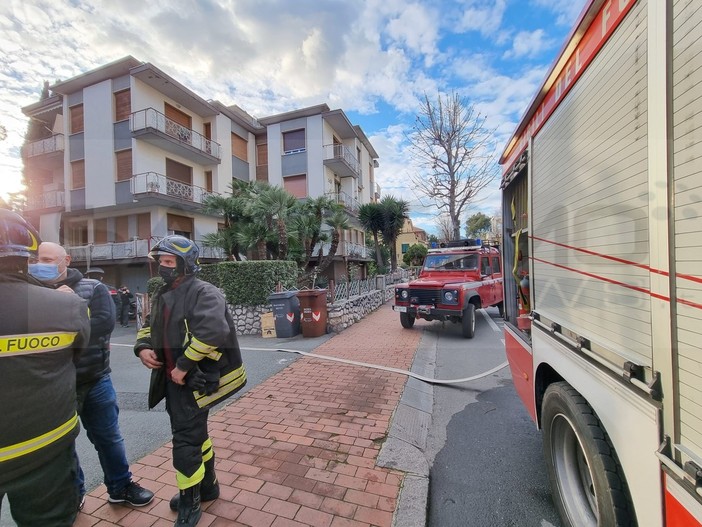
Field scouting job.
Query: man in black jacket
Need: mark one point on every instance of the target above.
(97, 400)
(41, 333)
(190, 345)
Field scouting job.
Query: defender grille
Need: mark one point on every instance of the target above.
(425, 296)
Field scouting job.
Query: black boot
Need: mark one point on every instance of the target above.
(189, 507)
(209, 487)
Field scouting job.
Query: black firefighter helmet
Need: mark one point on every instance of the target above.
(179, 246)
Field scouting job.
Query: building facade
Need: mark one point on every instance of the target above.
(123, 155)
(409, 236)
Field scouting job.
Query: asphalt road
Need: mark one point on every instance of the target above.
(145, 430)
(484, 451)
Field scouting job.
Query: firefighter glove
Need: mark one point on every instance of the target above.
(195, 379)
(211, 383)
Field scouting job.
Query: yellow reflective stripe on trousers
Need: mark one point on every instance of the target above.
(185, 482)
(227, 384)
(13, 345)
(207, 451)
(25, 447)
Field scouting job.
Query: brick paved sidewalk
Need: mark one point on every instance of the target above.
(299, 449)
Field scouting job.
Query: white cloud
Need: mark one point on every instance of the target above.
(484, 16)
(528, 44)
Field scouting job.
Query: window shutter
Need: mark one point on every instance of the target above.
(124, 165)
(239, 147)
(78, 174)
(123, 105)
(296, 185)
(76, 119)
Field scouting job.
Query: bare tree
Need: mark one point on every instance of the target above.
(444, 227)
(451, 145)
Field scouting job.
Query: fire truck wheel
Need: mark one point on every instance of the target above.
(468, 321)
(406, 320)
(587, 480)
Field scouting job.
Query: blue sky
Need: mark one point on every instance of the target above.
(374, 59)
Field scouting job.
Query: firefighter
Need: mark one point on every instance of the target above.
(41, 331)
(189, 342)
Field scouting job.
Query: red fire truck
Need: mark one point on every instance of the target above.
(455, 280)
(602, 247)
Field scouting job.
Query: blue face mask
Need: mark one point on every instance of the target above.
(44, 272)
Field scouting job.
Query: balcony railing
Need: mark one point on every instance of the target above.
(154, 183)
(46, 200)
(352, 250)
(52, 144)
(342, 198)
(135, 248)
(341, 160)
(151, 118)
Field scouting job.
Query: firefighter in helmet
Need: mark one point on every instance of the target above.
(41, 333)
(189, 342)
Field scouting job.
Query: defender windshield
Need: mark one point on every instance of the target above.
(451, 262)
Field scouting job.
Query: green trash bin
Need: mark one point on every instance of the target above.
(313, 307)
(286, 313)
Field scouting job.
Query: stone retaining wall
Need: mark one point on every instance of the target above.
(340, 315)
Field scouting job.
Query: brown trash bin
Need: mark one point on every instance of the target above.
(313, 308)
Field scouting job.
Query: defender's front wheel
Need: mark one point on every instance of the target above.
(468, 321)
(406, 320)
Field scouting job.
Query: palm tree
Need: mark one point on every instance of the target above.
(275, 205)
(234, 211)
(395, 212)
(371, 217)
(338, 220)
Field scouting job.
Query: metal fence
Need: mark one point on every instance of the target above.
(345, 289)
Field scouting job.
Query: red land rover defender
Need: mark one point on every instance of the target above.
(454, 281)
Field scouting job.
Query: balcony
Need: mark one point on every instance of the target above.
(53, 199)
(136, 248)
(155, 128)
(340, 159)
(347, 249)
(342, 198)
(154, 185)
(42, 147)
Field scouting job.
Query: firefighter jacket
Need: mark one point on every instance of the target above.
(94, 361)
(199, 331)
(41, 333)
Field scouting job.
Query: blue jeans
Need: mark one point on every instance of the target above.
(99, 416)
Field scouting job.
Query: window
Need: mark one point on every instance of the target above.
(296, 185)
(294, 141)
(100, 231)
(123, 105)
(76, 118)
(496, 265)
(179, 172)
(208, 180)
(239, 147)
(180, 225)
(144, 225)
(124, 165)
(485, 266)
(121, 229)
(78, 233)
(262, 154)
(405, 247)
(78, 174)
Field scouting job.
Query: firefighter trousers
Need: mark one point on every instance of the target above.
(46, 495)
(190, 436)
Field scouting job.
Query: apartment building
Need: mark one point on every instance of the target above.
(123, 155)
